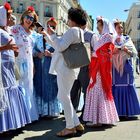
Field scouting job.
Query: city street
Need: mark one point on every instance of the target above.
(46, 129)
(45, 44)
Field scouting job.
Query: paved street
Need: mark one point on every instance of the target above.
(46, 129)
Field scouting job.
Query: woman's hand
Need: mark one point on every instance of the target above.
(14, 47)
(125, 49)
(48, 53)
(40, 55)
(49, 31)
(10, 46)
(43, 32)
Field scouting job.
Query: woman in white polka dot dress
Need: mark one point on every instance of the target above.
(100, 107)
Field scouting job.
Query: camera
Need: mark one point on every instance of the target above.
(38, 24)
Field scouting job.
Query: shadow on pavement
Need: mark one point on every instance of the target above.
(50, 128)
(51, 135)
(11, 134)
(124, 119)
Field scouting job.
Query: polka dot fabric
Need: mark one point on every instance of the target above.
(98, 109)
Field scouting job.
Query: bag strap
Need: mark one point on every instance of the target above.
(80, 36)
(44, 43)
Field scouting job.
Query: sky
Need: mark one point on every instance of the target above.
(110, 9)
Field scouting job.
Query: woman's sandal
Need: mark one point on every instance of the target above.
(80, 129)
(67, 132)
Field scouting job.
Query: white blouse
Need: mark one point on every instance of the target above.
(72, 36)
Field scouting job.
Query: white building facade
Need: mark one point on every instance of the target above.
(132, 25)
(46, 9)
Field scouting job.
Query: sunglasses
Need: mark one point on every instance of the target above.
(53, 27)
(29, 17)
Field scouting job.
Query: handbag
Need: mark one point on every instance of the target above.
(77, 55)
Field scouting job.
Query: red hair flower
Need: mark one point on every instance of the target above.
(7, 6)
(30, 8)
(52, 18)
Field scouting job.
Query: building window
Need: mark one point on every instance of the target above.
(20, 8)
(48, 11)
(138, 44)
(139, 14)
(139, 26)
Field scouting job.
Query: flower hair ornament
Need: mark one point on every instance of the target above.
(31, 8)
(52, 19)
(7, 6)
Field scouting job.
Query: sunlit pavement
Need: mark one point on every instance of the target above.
(46, 129)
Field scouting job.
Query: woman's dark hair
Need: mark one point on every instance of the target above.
(100, 21)
(117, 23)
(77, 15)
